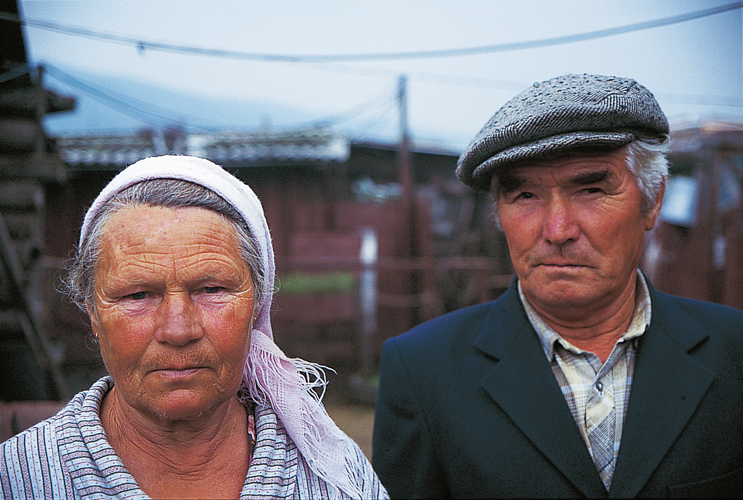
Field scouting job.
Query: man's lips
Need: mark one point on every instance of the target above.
(561, 264)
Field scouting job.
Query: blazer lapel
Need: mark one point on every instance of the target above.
(667, 386)
(523, 385)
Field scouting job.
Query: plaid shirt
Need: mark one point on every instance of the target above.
(580, 373)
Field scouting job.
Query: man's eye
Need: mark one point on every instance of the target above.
(526, 195)
(213, 289)
(137, 295)
(592, 190)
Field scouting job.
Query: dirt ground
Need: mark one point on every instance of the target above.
(355, 419)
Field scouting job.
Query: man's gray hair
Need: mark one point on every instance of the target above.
(645, 159)
(170, 193)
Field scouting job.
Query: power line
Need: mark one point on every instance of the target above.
(134, 107)
(354, 113)
(511, 85)
(335, 119)
(364, 130)
(320, 58)
(470, 81)
(383, 103)
(124, 104)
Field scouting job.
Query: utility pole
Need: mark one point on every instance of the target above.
(406, 175)
(409, 247)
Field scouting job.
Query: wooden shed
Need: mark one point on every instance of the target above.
(697, 249)
(29, 164)
(335, 212)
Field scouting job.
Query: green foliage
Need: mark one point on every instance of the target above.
(304, 283)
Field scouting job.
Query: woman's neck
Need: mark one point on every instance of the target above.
(205, 458)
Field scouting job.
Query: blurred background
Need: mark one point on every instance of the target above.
(347, 119)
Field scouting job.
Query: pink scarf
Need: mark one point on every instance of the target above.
(270, 377)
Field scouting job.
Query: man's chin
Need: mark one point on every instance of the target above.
(560, 294)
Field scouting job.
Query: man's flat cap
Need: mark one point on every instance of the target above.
(566, 113)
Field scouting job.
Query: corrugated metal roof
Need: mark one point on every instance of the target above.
(234, 149)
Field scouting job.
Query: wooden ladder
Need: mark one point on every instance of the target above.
(22, 305)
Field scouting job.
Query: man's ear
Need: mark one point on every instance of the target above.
(652, 216)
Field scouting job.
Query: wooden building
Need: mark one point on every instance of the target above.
(29, 164)
(697, 249)
(335, 211)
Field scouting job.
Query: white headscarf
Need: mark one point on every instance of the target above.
(270, 376)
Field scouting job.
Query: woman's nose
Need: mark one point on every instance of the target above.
(178, 321)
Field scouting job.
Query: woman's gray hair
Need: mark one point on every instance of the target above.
(646, 160)
(170, 193)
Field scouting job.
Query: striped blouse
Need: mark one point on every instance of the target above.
(68, 456)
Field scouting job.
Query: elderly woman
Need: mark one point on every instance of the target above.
(175, 270)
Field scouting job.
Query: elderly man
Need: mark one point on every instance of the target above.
(582, 379)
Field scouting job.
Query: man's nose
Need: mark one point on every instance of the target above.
(559, 224)
(178, 321)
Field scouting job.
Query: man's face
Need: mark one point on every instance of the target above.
(575, 232)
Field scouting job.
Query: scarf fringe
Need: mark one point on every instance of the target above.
(288, 386)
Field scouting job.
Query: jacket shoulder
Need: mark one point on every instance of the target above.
(710, 315)
(458, 327)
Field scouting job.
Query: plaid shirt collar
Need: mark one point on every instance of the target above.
(548, 337)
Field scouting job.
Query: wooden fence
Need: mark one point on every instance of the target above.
(346, 329)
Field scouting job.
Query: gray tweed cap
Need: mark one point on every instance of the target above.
(559, 115)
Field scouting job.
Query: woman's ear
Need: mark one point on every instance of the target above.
(94, 323)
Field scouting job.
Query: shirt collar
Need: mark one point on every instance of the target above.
(548, 336)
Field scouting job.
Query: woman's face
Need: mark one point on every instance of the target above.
(173, 309)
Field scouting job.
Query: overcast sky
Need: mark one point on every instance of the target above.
(695, 68)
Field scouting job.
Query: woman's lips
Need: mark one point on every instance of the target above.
(177, 373)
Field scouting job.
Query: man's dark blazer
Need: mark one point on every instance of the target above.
(468, 406)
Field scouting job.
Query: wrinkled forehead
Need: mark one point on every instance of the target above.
(585, 161)
(197, 171)
(147, 240)
(153, 222)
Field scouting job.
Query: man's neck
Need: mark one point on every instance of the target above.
(597, 332)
